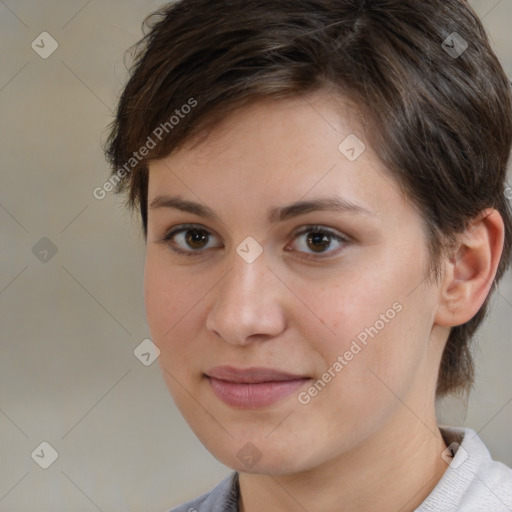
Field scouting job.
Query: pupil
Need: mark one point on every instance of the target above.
(319, 238)
(197, 237)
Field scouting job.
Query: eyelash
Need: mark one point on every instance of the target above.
(305, 230)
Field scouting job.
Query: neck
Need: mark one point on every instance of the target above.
(394, 469)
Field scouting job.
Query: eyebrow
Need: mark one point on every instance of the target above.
(278, 214)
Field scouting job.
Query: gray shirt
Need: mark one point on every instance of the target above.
(473, 482)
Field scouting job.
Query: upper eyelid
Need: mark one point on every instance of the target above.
(184, 227)
(297, 231)
(319, 227)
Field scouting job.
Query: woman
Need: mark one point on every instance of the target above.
(322, 190)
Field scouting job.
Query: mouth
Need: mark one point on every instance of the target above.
(254, 387)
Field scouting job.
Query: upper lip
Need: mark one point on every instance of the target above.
(251, 375)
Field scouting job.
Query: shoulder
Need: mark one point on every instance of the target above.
(222, 498)
(473, 480)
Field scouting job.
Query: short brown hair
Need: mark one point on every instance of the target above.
(438, 114)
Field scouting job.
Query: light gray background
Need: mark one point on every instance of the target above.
(68, 374)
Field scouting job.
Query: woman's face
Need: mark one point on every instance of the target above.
(289, 335)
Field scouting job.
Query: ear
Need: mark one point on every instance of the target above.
(470, 270)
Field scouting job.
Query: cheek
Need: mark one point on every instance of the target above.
(160, 305)
(351, 309)
(169, 301)
(176, 313)
(374, 324)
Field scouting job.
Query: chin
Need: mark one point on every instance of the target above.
(261, 457)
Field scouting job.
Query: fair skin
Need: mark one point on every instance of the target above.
(369, 439)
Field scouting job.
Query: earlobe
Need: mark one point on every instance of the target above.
(470, 271)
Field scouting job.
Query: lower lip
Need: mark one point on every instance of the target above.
(252, 396)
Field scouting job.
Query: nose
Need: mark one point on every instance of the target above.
(247, 306)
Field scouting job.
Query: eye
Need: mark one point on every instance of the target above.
(187, 239)
(318, 240)
(192, 239)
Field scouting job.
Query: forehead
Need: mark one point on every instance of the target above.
(276, 152)
(324, 109)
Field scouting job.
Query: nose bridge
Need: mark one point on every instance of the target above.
(245, 302)
(245, 281)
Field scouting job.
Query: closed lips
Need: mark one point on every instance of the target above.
(252, 375)
(252, 388)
